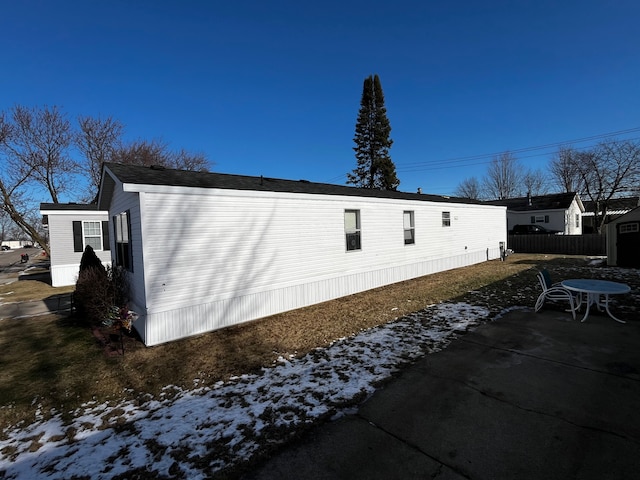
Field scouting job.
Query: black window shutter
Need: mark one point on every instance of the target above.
(77, 237)
(105, 236)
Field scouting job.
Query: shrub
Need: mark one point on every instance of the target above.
(90, 260)
(94, 295)
(102, 295)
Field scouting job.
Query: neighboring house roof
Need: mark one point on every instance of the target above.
(68, 206)
(615, 206)
(556, 201)
(140, 175)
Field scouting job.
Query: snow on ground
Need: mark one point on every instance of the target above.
(196, 433)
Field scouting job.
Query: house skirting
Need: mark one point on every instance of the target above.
(64, 275)
(156, 327)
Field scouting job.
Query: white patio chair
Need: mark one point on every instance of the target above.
(554, 292)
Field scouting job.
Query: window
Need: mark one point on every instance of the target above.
(409, 228)
(352, 229)
(628, 228)
(446, 219)
(540, 219)
(122, 226)
(577, 220)
(94, 234)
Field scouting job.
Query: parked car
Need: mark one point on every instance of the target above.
(532, 230)
(28, 245)
(6, 247)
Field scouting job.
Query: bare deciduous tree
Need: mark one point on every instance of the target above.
(504, 177)
(564, 172)
(98, 139)
(534, 182)
(156, 152)
(610, 170)
(34, 148)
(470, 188)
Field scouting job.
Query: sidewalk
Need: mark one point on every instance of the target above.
(528, 396)
(54, 304)
(34, 269)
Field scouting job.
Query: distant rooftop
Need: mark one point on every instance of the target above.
(540, 202)
(615, 206)
(68, 206)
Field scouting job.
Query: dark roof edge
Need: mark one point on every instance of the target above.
(140, 175)
(69, 206)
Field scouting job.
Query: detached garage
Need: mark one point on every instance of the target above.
(206, 250)
(623, 238)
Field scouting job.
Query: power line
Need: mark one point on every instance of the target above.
(443, 164)
(525, 149)
(486, 158)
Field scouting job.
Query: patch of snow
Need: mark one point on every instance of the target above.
(200, 431)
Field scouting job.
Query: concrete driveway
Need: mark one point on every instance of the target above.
(529, 396)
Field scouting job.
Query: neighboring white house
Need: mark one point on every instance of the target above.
(623, 238)
(209, 250)
(71, 228)
(560, 211)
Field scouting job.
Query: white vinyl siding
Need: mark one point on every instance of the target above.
(204, 269)
(131, 203)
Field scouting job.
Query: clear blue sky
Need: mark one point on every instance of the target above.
(273, 87)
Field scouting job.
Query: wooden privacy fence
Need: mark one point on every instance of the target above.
(589, 244)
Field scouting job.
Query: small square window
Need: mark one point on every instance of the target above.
(446, 219)
(409, 228)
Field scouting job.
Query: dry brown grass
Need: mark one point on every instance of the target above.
(25, 290)
(58, 362)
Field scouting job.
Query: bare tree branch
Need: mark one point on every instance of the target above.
(504, 177)
(469, 188)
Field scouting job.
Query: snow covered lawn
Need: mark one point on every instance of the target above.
(198, 432)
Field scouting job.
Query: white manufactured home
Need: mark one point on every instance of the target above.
(71, 227)
(209, 250)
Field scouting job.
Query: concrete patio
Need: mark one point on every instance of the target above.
(529, 396)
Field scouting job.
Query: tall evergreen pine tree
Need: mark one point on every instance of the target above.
(374, 166)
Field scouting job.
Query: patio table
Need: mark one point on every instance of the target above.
(594, 291)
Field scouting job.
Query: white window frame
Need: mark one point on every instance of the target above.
(122, 240)
(87, 235)
(353, 233)
(629, 228)
(446, 219)
(408, 217)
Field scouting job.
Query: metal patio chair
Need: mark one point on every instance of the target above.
(555, 292)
